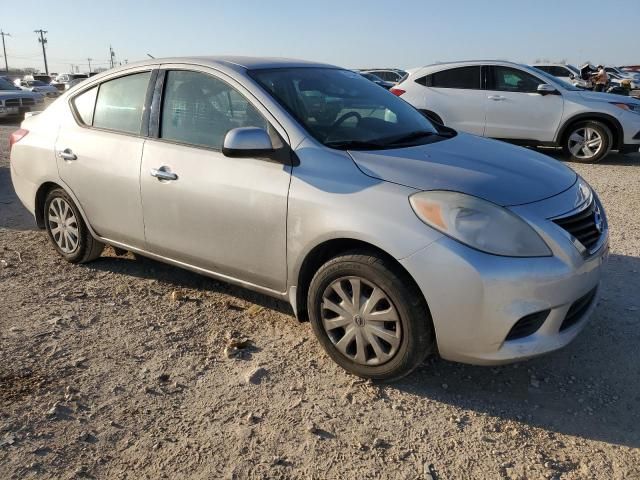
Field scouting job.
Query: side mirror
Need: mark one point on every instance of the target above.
(546, 89)
(247, 142)
(572, 76)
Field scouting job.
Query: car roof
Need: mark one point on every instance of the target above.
(549, 64)
(235, 62)
(435, 67)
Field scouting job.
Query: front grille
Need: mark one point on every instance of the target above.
(578, 309)
(12, 102)
(28, 101)
(586, 226)
(527, 325)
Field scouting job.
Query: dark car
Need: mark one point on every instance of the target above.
(377, 80)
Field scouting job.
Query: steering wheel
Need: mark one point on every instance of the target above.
(340, 120)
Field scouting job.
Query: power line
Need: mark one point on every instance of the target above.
(4, 49)
(43, 41)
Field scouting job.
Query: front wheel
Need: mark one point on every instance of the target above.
(369, 316)
(588, 142)
(66, 229)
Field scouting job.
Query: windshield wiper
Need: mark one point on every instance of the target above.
(407, 137)
(355, 145)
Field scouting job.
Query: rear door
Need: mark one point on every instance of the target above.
(515, 110)
(99, 151)
(456, 96)
(226, 215)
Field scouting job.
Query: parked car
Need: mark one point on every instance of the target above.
(387, 74)
(40, 87)
(74, 82)
(634, 76)
(627, 83)
(526, 106)
(61, 82)
(14, 101)
(568, 73)
(395, 237)
(377, 80)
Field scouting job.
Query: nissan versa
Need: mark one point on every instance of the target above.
(395, 237)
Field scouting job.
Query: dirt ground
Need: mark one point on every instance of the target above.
(117, 369)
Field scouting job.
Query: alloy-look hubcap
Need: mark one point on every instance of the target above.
(361, 321)
(63, 225)
(585, 143)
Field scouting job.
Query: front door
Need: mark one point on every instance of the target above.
(225, 215)
(516, 111)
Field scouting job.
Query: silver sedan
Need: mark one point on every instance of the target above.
(396, 237)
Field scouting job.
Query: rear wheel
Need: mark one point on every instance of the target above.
(66, 228)
(369, 316)
(588, 142)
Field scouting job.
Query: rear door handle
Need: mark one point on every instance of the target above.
(67, 154)
(496, 98)
(163, 173)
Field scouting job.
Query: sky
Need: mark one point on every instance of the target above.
(352, 34)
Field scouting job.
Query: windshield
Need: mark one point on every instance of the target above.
(75, 77)
(573, 69)
(37, 83)
(342, 109)
(558, 81)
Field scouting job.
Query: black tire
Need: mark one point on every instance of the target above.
(602, 130)
(417, 339)
(88, 248)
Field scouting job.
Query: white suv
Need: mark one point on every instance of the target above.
(523, 105)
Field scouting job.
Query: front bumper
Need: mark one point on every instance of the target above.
(475, 298)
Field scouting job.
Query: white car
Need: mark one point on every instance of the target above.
(40, 87)
(634, 76)
(567, 73)
(526, 106)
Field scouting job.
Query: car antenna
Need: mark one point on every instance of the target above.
(150, 56)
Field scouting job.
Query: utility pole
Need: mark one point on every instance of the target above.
(43, 41)
(89, 60)
(4, 49)
(112, 56)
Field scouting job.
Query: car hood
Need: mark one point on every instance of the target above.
(495, 171)
(607, 97)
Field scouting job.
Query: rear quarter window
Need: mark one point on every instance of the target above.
(84, 105)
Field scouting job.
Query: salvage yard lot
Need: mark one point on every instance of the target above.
(128, 368)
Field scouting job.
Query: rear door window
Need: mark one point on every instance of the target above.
(120, 103)
(466, 78)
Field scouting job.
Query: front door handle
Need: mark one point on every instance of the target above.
(496, 98)
(163, 173)
(67, 154)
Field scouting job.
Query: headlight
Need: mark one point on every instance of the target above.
(629, 107)
(479, 224)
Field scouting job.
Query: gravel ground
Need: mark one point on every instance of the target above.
(128, 368)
